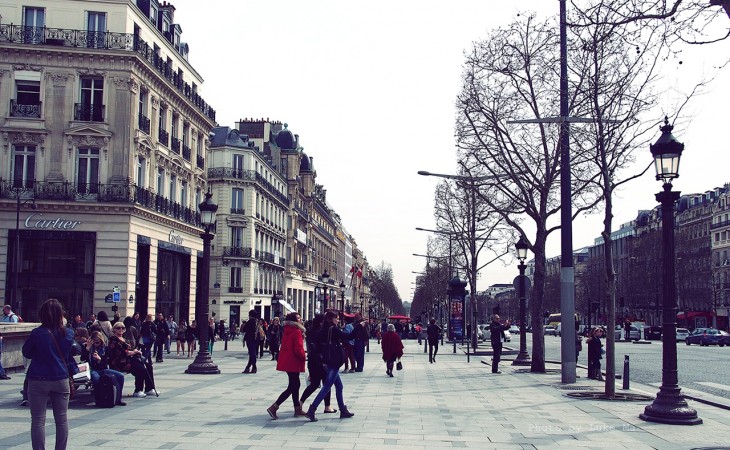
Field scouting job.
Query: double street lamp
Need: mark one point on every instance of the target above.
(203, 363)
(669, 406)
(20, 201)
(523, 359)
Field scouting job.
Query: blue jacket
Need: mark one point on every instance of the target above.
(46, 363)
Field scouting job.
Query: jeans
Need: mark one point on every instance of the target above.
(159, 347)
(96, 375)
(497, 348)
(359, 350)
(332, 377)
(314, 382)
(38, 393)
(2, 371)
(291, 389)
(433, 348)
(253, 348)
(143, 375)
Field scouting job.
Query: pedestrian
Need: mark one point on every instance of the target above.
(95, 351)
(275, 334)
(49, 349)
(182, 331)
(329, 343)
(261, 336)
(497, 330)
(123, 357)
(392, 349)
(348, 345)
(116, 318)
(314, 364)
(211, 334)
(90, 322)
(433, 334)
(250, 338)
(291, 360)
(578, 342)
(161, 336)
(595, 354)
(103, 324)
(137, 321)
(3, 375)
(190, 337)
(222, 333)
(361, 338)
(8, 315)
(172, 336)
(147, 336)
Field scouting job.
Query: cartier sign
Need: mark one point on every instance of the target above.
(36, 221)
(175, 238)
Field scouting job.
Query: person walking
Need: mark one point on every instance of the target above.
(182, 331)
(261, 336)
(161, 336)
(275, 334)
(51, 364)
(291, 360)
(497, 337)
(348, 346)
(147, 336)
(103, 324)
(329, 342)
(433, 334)
(314, 364)
(392, 348)
(172, 336)
(361, 338)
(595, 353)
(250, 332)
(190, 336)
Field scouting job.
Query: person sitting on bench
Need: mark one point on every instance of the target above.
(96, 353)
(124, 358)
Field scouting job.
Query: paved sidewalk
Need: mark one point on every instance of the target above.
(443, 405)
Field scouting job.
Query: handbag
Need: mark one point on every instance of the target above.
(331, 354)
(71, 385)
(399, 365)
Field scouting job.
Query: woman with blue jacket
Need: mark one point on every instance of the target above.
(49, 349)
(96, 353)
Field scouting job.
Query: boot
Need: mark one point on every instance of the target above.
(344, 413)
(299, 411)
(310, 415)
(272, 410)
(253, 370)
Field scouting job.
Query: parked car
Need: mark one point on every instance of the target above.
(653, 333)
(634, 333)
(682, 334)
(550, 330)
(483, 331)
(507, 336)
(708, 336)
(514, 329)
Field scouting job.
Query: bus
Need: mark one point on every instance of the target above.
(554, 320)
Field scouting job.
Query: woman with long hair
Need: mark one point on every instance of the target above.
(291, 360)
(125, 358)
(250, 331)
(331, 337)
(182, 330)
(49, 349)
(595, 354)
(314, 365)
(103, 324)
(190, 337)
(392, 348)
(274, 338)
(96, 352)
(147, 336)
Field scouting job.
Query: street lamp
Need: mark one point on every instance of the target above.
(323, 290)
(342, 293)
(275, 304)
(203, 363)
(523, 359)
(669, 406)
(15, 303)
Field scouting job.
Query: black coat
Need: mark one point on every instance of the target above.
(594, 348)
(496, 330)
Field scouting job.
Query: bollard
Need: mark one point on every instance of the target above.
(454, 345)
(425, 346)
(467, 351)
(626, 372)
(225, 345)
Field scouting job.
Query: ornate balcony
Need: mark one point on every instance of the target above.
(186, 152)
(237, 252)
(164, 137)
(88, 113)
(235, 290)
(249, 175)
(240, 211)
(200, 162)
(175, 145)
(144, 123)
(21, 110)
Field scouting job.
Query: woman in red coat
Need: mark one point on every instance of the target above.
(392, 348)
(292, 359)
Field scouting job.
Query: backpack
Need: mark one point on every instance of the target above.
(20, 319)
(105, 391)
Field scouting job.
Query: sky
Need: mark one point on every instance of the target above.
(370, 88)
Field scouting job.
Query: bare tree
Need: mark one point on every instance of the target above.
(382, 286)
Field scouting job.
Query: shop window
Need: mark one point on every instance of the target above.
(23, 166)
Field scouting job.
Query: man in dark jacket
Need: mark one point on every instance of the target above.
(433, 334)
(361, 338)
(497, 337)
(163, 331)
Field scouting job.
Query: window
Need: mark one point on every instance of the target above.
(235, 277)
(34, 21)
(237, 237)
(184, 193)
(144, 120)
(91, 108)
(237, 201)
(160, 181)
(27, 101)
(237, 165)
(173, 187)
(96, 29)
(23, 166)
(88, 171)
(197, 200)
(141, 165)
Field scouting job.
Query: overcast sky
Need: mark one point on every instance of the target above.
(370, 87)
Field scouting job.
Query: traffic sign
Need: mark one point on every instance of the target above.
(516, 283)
(109, 298)
(116, 297)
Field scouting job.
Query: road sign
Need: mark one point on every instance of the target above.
(109, 298)
(116, 297)
(516, 282)
(116, 289)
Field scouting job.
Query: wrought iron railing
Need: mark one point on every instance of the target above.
(201, 162)
(144, 123)
(175, 145)
(240, 211)
(108, 193)
(249, 175)
(235, 290)
(186, 152)
(65, 37)
(88, 113)
(239, 252)
(164, 137)
(21, 110)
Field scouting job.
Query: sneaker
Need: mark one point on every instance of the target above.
(154, 392)
(353, 371)
(4, 377)
(24, 403)
(120, 403)
(139, 394)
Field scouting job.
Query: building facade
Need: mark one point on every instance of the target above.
(104, 132)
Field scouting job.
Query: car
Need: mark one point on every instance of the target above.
(653, 333)
(550, 330)
(483, 331)
(682, 334)
(634, 333)
(507, 336)
(708, 336)
(514, 329)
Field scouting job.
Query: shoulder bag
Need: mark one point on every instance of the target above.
(331, 353)
(72, 387)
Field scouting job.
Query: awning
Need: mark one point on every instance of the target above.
(286, 305)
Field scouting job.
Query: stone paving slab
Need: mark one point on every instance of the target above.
(450, 404)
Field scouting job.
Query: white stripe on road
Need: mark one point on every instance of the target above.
(723, 387)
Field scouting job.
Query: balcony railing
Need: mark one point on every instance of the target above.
(175, 145)
(144, 123)
(238, 252)
(88, 113)
(186, 152)
(97, 192)
(164, 137)
(200, 162)
(235, 290)
(240, 211)
(21, 110)
(65, 37)
(249, 175)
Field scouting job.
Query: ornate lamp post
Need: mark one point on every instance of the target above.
(323, 290)
(669, 406)
(19, 191)
(523, 359)
(342, 293)
(203, 363)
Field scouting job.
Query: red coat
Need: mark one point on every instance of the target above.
(392, 346)
(292, 357)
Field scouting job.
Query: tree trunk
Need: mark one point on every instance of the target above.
(610, 386)
(536, 305)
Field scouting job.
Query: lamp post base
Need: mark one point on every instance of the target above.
(523, 359)
(203, 365)
(671, 408)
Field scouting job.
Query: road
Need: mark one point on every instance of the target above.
(699, 368)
